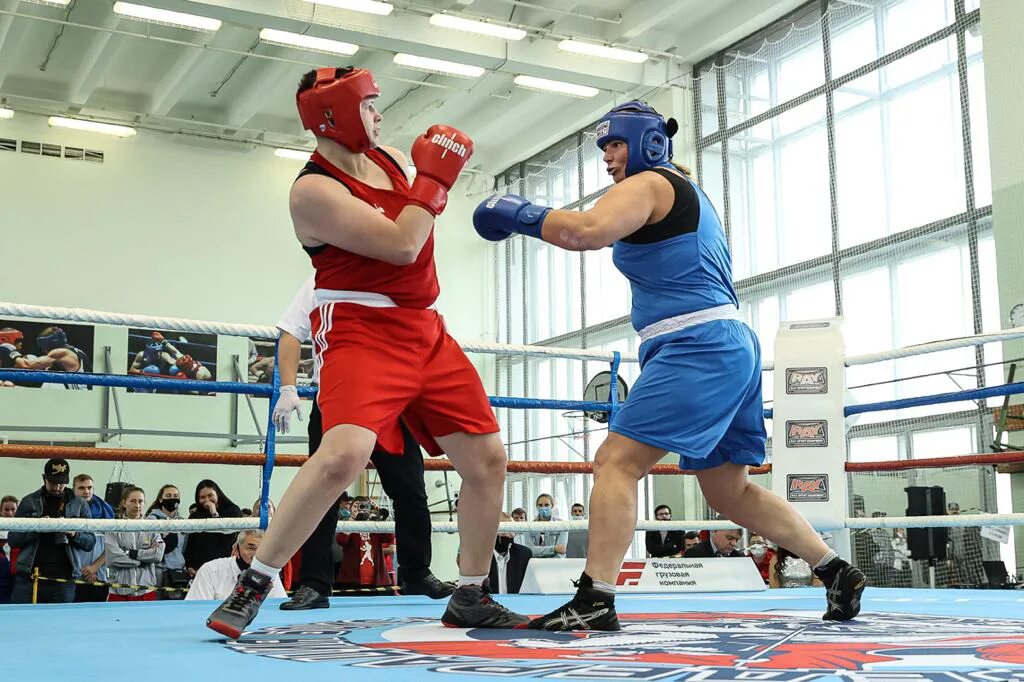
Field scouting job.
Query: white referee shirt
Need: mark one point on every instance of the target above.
(216, 578)
(295, 320)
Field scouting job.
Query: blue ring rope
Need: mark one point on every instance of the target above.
(268, 390)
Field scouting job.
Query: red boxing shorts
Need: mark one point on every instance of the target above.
(379, 364)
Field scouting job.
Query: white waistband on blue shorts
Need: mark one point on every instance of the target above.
(369, 299)
(674, 324)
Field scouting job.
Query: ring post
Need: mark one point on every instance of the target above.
(614, 384)
(268, 464)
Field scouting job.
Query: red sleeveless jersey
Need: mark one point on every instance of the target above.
(409, 286)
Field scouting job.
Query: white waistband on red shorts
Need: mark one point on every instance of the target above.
(674, 324)
(369, 299)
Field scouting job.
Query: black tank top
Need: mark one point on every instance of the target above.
(682, 218)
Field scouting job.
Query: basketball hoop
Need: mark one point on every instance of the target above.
(599, 390)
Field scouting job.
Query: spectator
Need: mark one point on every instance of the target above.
(788, 570)
(362, 561)
(576, 547)
(691, 538)
(964, 551)
(6, 579)
(762, 555)
(217, 577)
(8, 507)
(551, 544)
(211, 503)
(133, 556)
(721, 543)
(519, 516)
(170, 571)
(89, 564)
(50, 553)
(508, 566)
(663, 543)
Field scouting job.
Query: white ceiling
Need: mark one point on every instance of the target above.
(85, 60)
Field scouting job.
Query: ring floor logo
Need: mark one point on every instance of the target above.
(791, 646)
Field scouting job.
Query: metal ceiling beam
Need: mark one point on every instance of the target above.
(103, 46)
(645, 16)
(177, 78)
(405, 32)
(12, 41)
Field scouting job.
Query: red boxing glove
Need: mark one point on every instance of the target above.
(439, 155)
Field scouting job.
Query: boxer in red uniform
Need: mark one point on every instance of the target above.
(381, 349)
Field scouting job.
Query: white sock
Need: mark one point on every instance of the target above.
(472, 580)
(829, 556)
(602, 586)
(261, 567)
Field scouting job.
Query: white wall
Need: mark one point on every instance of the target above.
(165, 227)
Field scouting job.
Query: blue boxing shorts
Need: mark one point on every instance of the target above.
(699, 395)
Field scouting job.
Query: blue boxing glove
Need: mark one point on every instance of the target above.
(502, 215)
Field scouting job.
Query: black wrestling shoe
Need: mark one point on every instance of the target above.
(590, 609)
(843, 591)
(234, 615)
(428, 585)
(471, 606)
(306, 598)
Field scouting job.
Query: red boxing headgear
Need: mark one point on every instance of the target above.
(11, 336)
(157, 336)
(331, 107)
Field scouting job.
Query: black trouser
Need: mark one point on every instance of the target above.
(401, 476)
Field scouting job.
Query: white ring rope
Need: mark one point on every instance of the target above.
(231, 329)
(49, 525)
(178, 324)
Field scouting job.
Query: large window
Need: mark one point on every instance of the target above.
(846, 150)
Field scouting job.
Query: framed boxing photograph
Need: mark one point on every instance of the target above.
(172, 355)
(45, 346)
(261, 362)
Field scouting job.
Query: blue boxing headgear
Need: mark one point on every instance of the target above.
(646, 132)
(55, 339)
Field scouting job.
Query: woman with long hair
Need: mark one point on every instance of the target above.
(132, 556)
(211, 503)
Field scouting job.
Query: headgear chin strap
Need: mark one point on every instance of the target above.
(331, 107)
(646, 132)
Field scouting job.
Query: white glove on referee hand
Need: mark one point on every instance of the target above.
(287, 403)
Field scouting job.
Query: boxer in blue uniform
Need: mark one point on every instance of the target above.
(699, 391)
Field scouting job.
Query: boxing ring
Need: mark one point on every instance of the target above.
(901, 634)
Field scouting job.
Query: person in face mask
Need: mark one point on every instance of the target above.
(762, 555)
(546, 544)
(216, 578)
(576, 547)
(508, 565)
(171, 569)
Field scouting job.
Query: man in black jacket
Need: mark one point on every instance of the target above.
(663, 543)
(508, 565)
(722, 543)
(51, 553)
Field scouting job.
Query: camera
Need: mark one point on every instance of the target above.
(370, 515)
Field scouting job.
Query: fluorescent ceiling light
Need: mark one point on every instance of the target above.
(275, 37)
(53, 3)
(167, 17)
(603, 51)
(439, 66)
(561, 88)
(6, 113)
(367, 6)
(296, 154)
(481, 27)
(91, 126)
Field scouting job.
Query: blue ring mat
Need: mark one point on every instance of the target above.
(901, 634)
